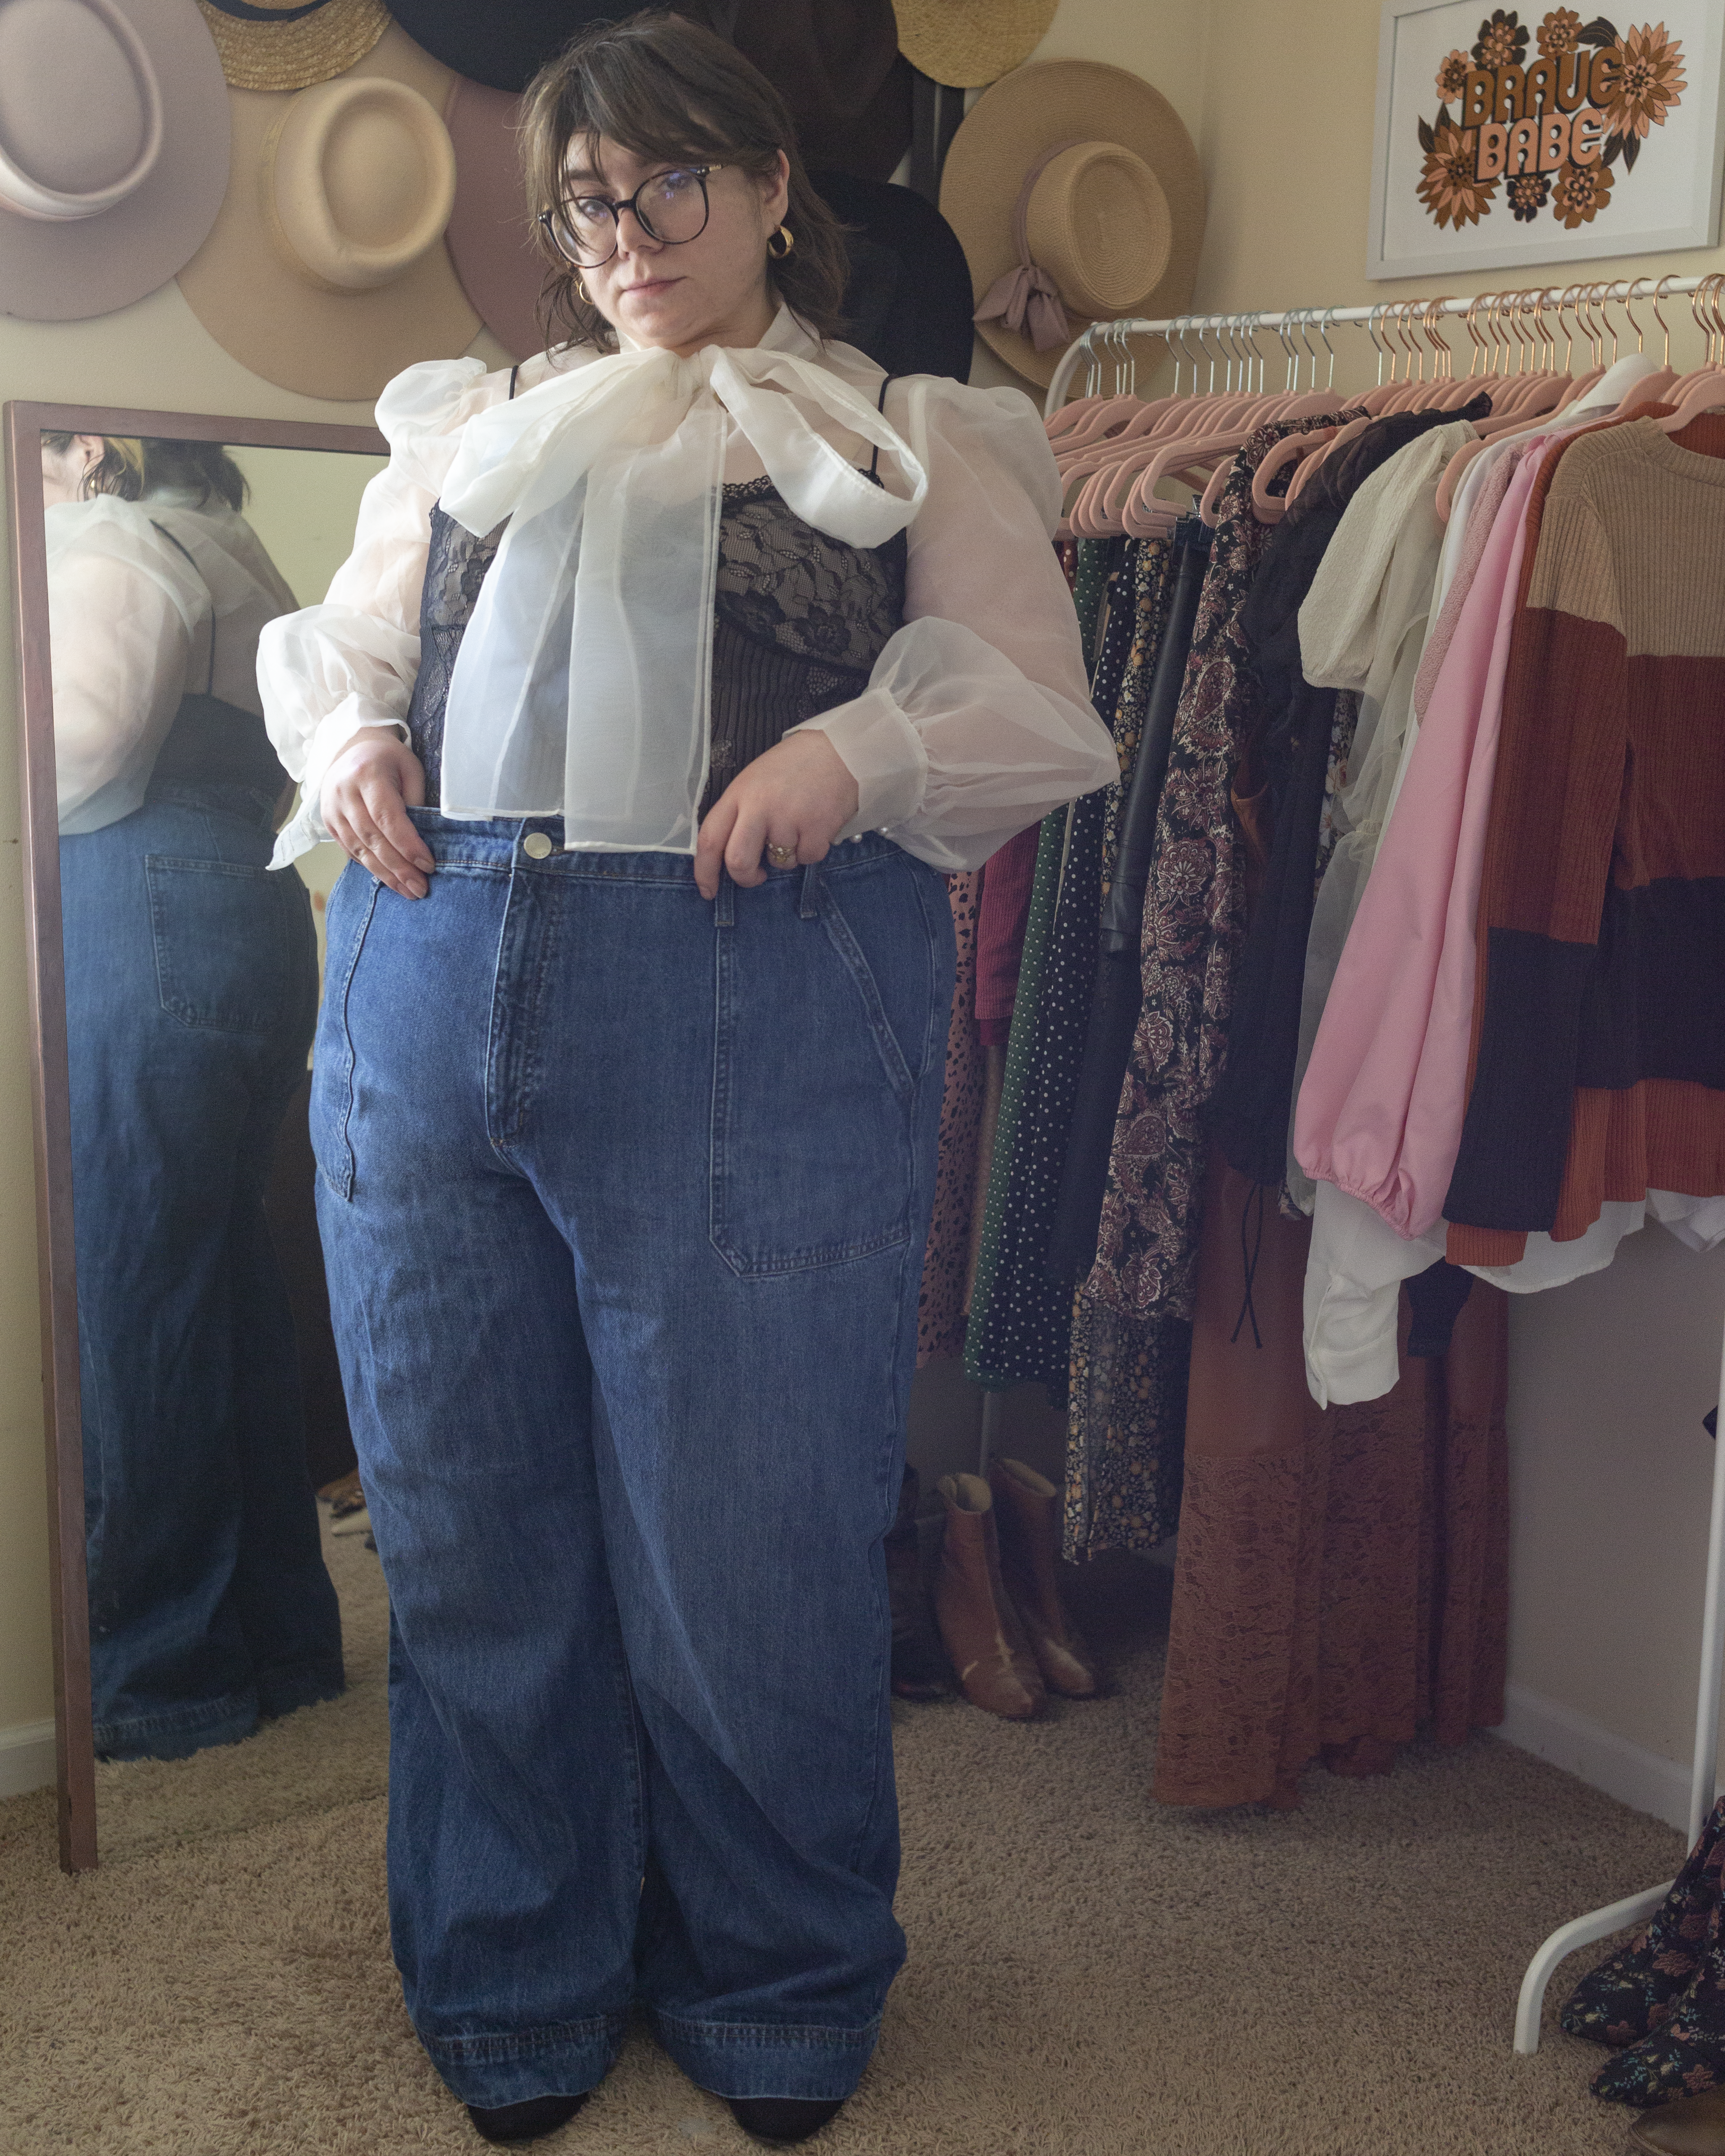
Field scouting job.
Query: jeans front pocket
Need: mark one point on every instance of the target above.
(345, 922)
(230, 942)
(813, 1156)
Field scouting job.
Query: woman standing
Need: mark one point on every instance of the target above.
(191, 993)
(627, 1133)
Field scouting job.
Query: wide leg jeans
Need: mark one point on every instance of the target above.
(624, 1196)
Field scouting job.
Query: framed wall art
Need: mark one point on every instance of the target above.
(1512, 136)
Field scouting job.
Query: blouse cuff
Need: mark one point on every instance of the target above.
(883, 752)
(353, 716)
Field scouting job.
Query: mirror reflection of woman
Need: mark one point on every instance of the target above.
(191, 995)
(667, 676)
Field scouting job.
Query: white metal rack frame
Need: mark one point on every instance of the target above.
(1094, 346)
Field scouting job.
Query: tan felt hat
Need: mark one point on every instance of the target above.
(490, 233)
(288, 44)
(113, 150)
(327, 271)
(1077, 194)
(967, 42)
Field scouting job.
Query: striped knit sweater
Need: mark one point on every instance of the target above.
(1599, 1051)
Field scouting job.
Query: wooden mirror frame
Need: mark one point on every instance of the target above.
(75, 1735)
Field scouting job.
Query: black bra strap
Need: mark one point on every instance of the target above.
(513, 373)
(880, 407)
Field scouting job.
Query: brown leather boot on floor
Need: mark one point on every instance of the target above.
(919, 1668)
(1693, 2126)
(1027, 1506)
(978, 1625)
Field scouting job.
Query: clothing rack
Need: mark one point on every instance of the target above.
(1098, 335)
(1703, 1785)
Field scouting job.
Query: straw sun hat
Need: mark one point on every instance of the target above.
(113, 151)
(327, 271)
(1076, 193)
(288, 44)
(967, 42)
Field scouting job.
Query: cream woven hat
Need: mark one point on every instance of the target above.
(113, 151)
(967, 42)
(326, 272)
(289, 44)
(1077, 194)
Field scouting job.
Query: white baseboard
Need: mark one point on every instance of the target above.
(1586, 1748)
(26, 1758)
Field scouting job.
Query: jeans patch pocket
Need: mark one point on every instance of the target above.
(346, 920)
(813, 1093)
(229, 942)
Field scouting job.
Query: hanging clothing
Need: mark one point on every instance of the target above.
(943, 1300)
(1021, 1315)
(1126, 1406)
(1598, 1055)
(1289, 760)
(1343, 1576)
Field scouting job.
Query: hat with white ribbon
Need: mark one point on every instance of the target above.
(113, 150)
(583, 680)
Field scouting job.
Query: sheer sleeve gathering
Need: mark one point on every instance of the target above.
(119, 640)
(977, 720)
(328, 671)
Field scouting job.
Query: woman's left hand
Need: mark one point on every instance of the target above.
(799, 795)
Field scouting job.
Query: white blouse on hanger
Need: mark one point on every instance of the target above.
(977, 720)
(134, 623)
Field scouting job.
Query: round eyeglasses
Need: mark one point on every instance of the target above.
(671, 207)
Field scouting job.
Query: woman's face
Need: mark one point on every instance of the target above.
(62, 470)
(678, 297)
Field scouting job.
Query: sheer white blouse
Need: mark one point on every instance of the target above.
(133, 623)
(977, 720)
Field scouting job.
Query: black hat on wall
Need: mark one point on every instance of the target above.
(908, 299)
(829, 60)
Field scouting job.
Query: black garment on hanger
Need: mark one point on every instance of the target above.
(1119, 993)
(1436, 1297)
(1250, 1113)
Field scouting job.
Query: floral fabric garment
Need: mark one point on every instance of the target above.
(1120, 1489)
(945, 1263)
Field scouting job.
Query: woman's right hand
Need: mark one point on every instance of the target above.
(366, 792)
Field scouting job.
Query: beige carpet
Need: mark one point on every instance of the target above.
(1090, 1974)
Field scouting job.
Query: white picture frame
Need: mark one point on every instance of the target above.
(1666, 196)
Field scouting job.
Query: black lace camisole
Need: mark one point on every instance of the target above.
(799, 619)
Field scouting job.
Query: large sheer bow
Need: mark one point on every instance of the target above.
(583, 679)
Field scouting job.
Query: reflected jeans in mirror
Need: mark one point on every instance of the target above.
(191, 992)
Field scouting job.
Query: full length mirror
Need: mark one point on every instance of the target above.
(200, 1408)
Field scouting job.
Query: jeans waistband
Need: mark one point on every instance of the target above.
(496, 841)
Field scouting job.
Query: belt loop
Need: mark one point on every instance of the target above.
(725, 903)
(809, 908)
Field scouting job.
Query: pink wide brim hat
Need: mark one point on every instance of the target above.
(491, 231)
(113, 171)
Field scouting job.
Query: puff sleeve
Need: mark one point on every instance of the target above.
(977, 720)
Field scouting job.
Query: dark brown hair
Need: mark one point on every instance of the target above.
(131, 467)
(665, 88)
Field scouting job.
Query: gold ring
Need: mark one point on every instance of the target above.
(781, 856)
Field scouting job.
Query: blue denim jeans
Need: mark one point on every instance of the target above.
(191, 995)
(624, 1197)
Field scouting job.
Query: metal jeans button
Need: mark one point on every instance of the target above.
(535, 845)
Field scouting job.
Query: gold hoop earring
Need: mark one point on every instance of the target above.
(586, 296)
(788, 237)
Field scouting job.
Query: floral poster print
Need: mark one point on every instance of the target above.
(1512, 134)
